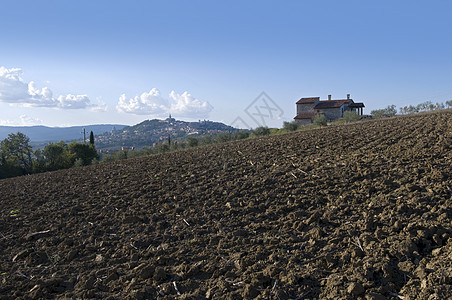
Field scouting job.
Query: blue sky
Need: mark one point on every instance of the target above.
(90, 62)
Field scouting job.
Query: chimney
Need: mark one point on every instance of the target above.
(348, 96)
(329, 97)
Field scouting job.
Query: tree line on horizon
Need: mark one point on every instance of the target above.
(391, 110)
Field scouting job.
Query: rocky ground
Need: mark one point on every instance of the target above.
(361, 211)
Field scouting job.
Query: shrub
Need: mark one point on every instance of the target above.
(261, 131)
(351, 116)
(121, 154)
(106, 158)
(192, 142)
(78, 163)
(290, 126)
(174, 146)
(2, 172)
(223, 137)
(135, 153)
(240, 135)
(9, 168)
(162, 148)
(203, 140)
(319, 120)
(275, 131)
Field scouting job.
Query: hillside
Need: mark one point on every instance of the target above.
(149, 132)
(361, 211)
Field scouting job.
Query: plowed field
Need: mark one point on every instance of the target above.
(361, 211)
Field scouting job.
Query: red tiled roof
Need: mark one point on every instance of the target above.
(308, 100)
(332, 103)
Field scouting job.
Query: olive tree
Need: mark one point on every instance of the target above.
(351, 116)
(319, 120)
(290, 126)
(261, 131)
(389, 111)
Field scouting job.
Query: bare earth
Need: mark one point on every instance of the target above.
(362, 211)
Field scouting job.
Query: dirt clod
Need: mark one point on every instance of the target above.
(355, 288)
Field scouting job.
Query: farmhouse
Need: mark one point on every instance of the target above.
(307, 108)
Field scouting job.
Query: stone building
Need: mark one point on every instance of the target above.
(308, 108)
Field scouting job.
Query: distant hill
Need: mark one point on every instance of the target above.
(154, 131)
(115, 136)
(39, 134)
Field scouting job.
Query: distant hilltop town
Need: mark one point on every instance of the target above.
(150, 132)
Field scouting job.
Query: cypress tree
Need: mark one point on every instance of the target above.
(91, 138)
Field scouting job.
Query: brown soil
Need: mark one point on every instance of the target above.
(349, 212)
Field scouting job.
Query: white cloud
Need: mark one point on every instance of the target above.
(146, 104)
(100, 106)
(14, 90)
(4, 122)
(73, 101)
(24, 120)
(152, 103)
(27, 120)
(12, 87)
(186, 105)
